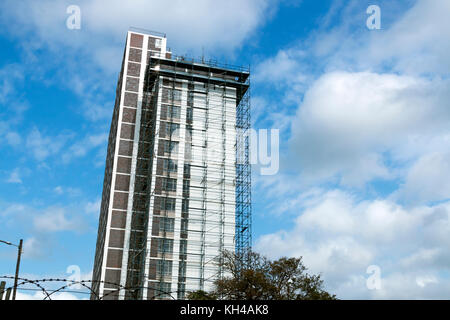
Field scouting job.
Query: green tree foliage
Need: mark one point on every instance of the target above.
(263, 279)
(200, 295)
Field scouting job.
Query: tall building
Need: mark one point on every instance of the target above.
(176, 190)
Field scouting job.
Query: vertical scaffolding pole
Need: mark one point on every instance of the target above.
(243, 179)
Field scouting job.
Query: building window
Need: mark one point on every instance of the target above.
(166, 224)
(183, 257)
(169, 184)
(189, 130)
(176, 94)
(183, 248)
(184, 225)
(169, 165)
(189, 115)
(186, 185)
(185, 206)
(174, 112)
(171, 129)
(164, 267)
(170, 146)
(182, 271)
(164, 290)
(190, 99)
(165, 245)
(187, 170)
(168, 204)
(181, 291)
(169, 94)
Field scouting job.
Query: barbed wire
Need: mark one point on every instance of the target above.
(84, 283)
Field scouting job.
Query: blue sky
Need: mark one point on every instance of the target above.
(364, 120)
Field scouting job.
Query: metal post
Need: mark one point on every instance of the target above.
(2, 289)
(8, 293)
(19, 253)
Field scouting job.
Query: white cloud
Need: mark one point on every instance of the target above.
(44, 146)
(35, 248)
(41, 222)
(58, 190)
(365, 111)
(72, 192)
(14, 177)
(340, 236)
(88, 60)
(39, 295)
(13, 139)
(412, 286)
(418, 41)
(348, 122)
(12, 104)
(284, 67)
(10, 76)
(413, 39)
(82, 147)
(189, 24)
(93, 207)
(13, 209)
(55, 220)
(428, 179)
(24, 292)
(423, 281)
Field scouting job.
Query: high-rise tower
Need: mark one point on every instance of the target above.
(177, 180)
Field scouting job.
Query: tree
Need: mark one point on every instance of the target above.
(263, 279)
(200, 295)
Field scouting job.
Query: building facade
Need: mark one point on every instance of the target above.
(176, 190)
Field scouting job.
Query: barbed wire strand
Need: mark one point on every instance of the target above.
(37, 283)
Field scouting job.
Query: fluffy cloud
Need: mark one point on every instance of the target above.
(10, 76)
(340, 236)
(349, 122)
(44, 221)
(12, 104)
(82, 147)
(284, 68)
(35, 247)
(39, 295)
(371, 106)
(73, 291)
(418, 41)
(365, 114)
(93, 207)
(55, 219)
(427, 180)
(188, 24)
(42, 147)
(87, 61)
(412, 40)
(14, 176)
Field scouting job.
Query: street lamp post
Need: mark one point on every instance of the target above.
(19, 253)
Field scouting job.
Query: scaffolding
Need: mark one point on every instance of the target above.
(142, 189)
(243, 178)
(216, 196)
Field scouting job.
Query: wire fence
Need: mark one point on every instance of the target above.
(40, 285)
